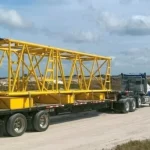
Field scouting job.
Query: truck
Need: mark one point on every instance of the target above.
(44, 81)
(137, 86)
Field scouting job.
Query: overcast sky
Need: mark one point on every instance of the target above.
(116, 28)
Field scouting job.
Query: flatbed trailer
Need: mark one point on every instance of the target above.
(47, 110)
(37, 87)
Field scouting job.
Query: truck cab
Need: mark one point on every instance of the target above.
(135, 85)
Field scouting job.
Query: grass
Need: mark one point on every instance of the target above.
(134, 145)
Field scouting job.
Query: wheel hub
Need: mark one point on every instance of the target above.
(139, 101)
(43, 121)
(127, 106)
(133, 105)
(19, 125)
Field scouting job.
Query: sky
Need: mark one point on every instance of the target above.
(116, 28)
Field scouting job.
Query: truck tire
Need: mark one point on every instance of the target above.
(16, 125)
(41, 121)
(138, 102)
(126, 106)
(132, 105)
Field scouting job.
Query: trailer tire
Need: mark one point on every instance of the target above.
(41, 121)
(126, 106)
(16, 125)
(138, 102)
(132, 105)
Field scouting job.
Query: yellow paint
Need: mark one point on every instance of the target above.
(90, 96)
(15, 103)
(82, 96)
(46, 66)
(55, 99)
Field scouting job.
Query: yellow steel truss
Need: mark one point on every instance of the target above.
(39, 69)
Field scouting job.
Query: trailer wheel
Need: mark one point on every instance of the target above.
(126, 106)
(132, 105)
(16, 125)
(41, 121)
(138, 102)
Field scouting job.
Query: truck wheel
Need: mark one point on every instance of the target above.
(126, 106)
(41, 121)
(16, 125)
(132, 105)
(138, 102)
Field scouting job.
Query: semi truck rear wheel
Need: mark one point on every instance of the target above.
(41, 121)
(132, 105)
(16, 125)
(138, 102)
(126, 106)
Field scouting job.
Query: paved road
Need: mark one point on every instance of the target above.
(85, 131)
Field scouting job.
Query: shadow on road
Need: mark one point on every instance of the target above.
(77, 116)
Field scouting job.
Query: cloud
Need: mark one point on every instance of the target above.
(134, 57)
(10, 19)
(113, 58)
(130, 1)
(125, 1)
(76, 37)
(54, 2)
(136, 52)
(137, 56)
(62, 2)
(82, 37)
(133, 26)
(49, 33)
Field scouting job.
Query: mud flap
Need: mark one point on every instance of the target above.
(119, 105)
(29, 123)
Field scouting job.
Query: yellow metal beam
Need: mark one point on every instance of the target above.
(34, 93)
(30, 59)
(52, 48)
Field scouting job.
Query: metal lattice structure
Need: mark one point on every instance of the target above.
(41, 69)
